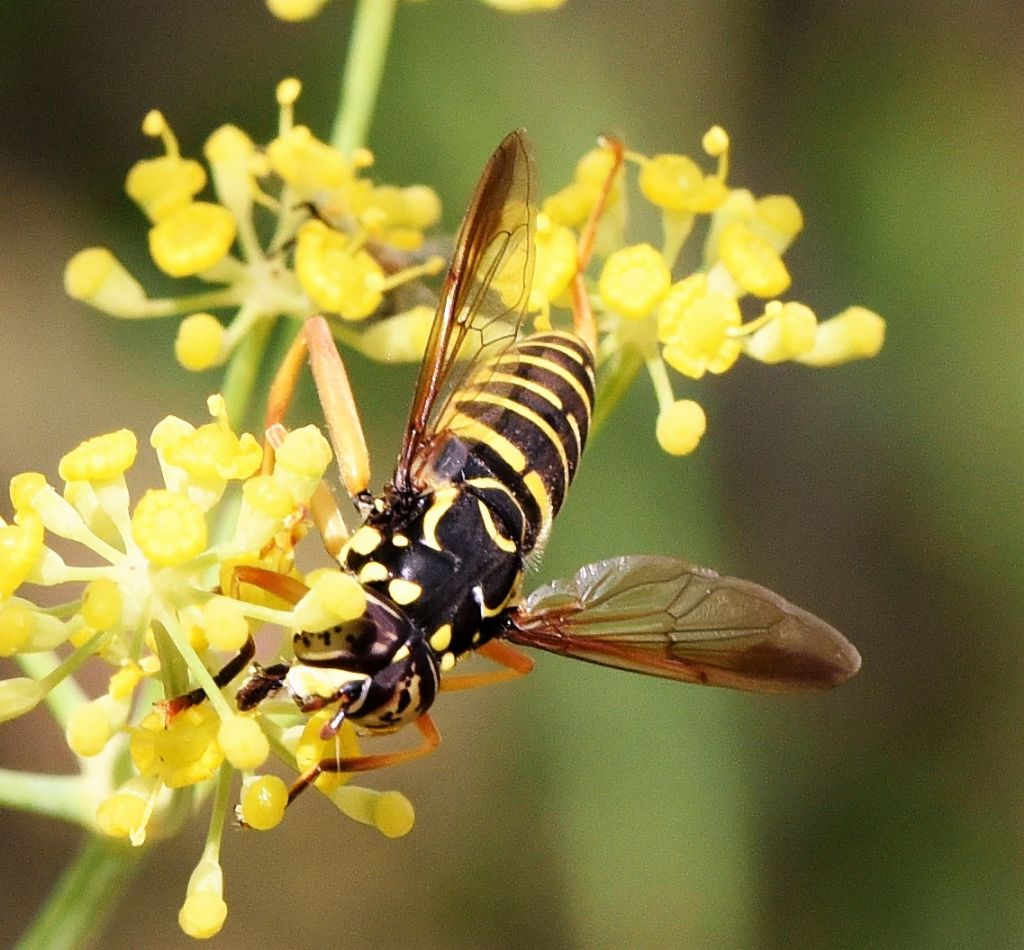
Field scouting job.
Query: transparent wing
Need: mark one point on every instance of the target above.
(670, 618)
(487, 288)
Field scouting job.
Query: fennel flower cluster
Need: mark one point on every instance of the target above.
(652, 310)
(338, 242)
(145, 590)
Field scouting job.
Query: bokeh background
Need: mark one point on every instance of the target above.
(583, 808)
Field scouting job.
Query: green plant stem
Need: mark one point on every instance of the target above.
(243, 371)
(87, 893)
(364, 67)
(56, 796)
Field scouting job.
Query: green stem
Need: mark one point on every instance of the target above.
(66, 695)
(87, 893)
(243, 371)
(56, 796)
(364, 67)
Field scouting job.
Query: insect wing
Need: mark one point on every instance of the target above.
(487, 287)
(670, 618)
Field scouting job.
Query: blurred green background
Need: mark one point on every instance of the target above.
(583, 808)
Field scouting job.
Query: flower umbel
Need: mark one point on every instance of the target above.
(150, 593)
(648, 313)
(338, 243)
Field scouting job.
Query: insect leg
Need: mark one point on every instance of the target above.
(515, 663)
(367, 763)
(340, 413)
(281, 585)
(231, 669)
(582, 316)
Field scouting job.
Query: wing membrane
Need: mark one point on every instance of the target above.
(487, 287)
(670, 618)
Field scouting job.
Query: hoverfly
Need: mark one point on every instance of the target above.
(487, 458)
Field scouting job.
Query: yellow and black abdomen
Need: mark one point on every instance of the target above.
(522, 420)
(450, 554)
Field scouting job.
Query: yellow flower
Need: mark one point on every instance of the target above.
(155, 598)
(292, 229)
(693, 321)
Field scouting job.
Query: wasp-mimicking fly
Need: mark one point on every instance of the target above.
(490, 449)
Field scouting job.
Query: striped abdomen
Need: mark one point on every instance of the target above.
(523, 419)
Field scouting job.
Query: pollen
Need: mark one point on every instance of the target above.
(181, 752)
(338, 275)
(202, 915)
(96, 277)
(334, 598)
(633, 280)
(264, 799)
(555, 264)
(89, 727)
(21, 547)
(571, 204)
(676, 183)
(781, 215)
(304, 451)
(594, 167)
(393, 814)
(694, 325)
(199, 343)
(404, 592)
(715, 141)
(210, 452)
(311, 749)
(294, 11)
(401, 338)
(224, 624)
(267, 496)
(752, 261)
(307, 164)
(228, 145)
(420, 207)
(288, 91)
(300, 462)
(680, 427)
(123, 682)
(341, 594)
(192, 239)
(244, 744)
(23, 489)
(15, 627)
(160, 186)
(101, 604)
(856, 333)
(790, 331)
(125, 812)
(100, 458)
(168, 528)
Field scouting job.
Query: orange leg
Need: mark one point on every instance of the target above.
(287, 588)
(582, 316)
(515, 663)
(340, 413)
(367, 763)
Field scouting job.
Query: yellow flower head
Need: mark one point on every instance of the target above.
(293, 228)
(693, 321)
